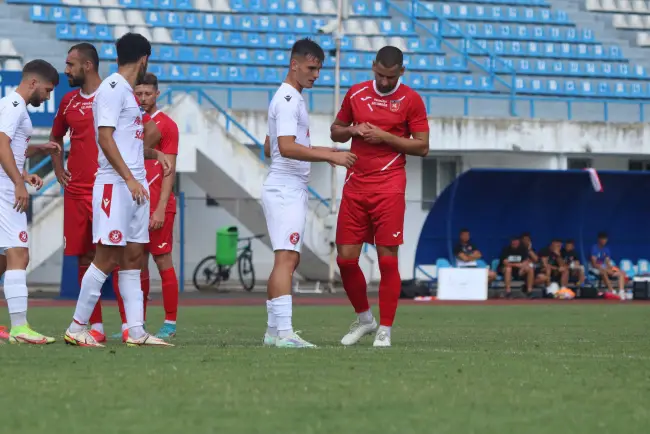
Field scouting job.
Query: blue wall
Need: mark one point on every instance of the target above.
(495, 204)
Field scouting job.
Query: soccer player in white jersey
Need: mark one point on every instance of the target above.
(120, 196)
(284, 195)
(38, 80)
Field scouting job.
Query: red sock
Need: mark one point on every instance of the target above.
(170, 293)
(96, 316)
(390, 287)
(144, 283)
(116, 289)
(354, 283)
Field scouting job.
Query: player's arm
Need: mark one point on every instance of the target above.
(169, 146)
(290, 149)
(152, 134)
(8, 161)
(267, 147)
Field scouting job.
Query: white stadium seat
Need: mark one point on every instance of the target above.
(398, 42)
(203, 5)
(623, 6)
(144, 31)
(13, 65)
(161, 35)
(378, 42)
(134, 18)
(634, 22)
(639, 6)
(353, 27)
(608, 5)
(120, 31)
(370, 27)
(362, 43)
(220, 6)
(593, 5)
(7, 48)
(643, 39)
(309, 7)
(619, 21)
(115, 17)
(89, 3)
(96, 16)
(646, 19)
(109, 3)
(327, 7)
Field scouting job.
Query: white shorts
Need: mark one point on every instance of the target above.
(285, 209)
(117, 218)
(13, 224)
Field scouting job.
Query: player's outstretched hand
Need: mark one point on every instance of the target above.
(164, 162)
(63, 176)
(157, 220)
(34, 180)
(373, 135)
(343, 158)
(52, 148)
(138, 191)
(22, 198)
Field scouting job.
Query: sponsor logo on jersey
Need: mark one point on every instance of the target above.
(288, 98)
(113, 84)
(395, 105)
(15, 103)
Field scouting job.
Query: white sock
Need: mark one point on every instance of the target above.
(170, 322)
(385, 329)
(91, 290)
(124, 327)
(271, 323)
(366, 317)
(98, 326)
(131, 290)
(16, 295)
(281, 307)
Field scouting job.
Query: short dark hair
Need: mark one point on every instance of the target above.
(602, 235)
(390, 56)
(150, 79)
(131, 47)
(43, 69)
(306, 47)
(514, 238)
(570, 241)
(463, 230)
(556, 240)
(88, 51)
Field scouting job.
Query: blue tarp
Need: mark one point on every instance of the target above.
(495, 204)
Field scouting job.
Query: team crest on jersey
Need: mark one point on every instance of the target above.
(115, 236)
(395, 105)
(22, 236)
(294, 238)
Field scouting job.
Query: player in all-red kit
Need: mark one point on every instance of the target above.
(163, 205)
(75, 115)
(386, 121)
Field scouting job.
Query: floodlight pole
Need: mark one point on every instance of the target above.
(337, 102)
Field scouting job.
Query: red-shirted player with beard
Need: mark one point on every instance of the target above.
(75, 115)
(163, 205)
(386, 121)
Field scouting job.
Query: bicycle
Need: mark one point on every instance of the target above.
(209, 274)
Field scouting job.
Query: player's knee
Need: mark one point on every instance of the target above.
(349, 251)
(164, 261)
(17, 258)
(86, 259)
(387, 250)
(286, 259)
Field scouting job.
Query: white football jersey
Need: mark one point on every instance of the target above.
(288, 117)
(16, 124)
(116, 106)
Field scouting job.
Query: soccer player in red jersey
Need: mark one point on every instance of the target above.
(75, 116)
(163, 205)
(386, 121)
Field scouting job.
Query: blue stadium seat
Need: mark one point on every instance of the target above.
(643, 267)
(442, 263)
(227, 22)
(604, 89)
(159, 71)
(242, 56)
(467, 83)
(183, 5)
(88, 33)
(186, 55)
(164, 5)
(302, 25)
(153, 19)
(287, 41)
(326, 42)
(112, 68)
(236, 39)
(260, 57)
(485, 84)
(215, 74)
(191, 21)
(360, 7)
(253, 40)
(196, 73)
(271, 76)
(553, 87)
(637, 90)
(326, 78)
(292, 7)
(433, 82)
(38, 13)
(170, 19)
(283, 25)
(628, 267)
(129, 4)
(378, 8)
(58, 15)
(148, 5)
(273, 41)
(234, 74)
(350, 60)
(346, 79)
(451, 82)
(224, 55)
(279, 58)
(570, 87)
(360, 76)
(252, 75)
(197, 37)
(107, 52)
(537, 86)
(238, 6)
(77, 15)
(416, 81)
(216, 38)
(206, 55)
(209, 21)
(177, 73)
(103, 33)
(179, 36)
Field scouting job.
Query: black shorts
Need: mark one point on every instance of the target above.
(516, 276)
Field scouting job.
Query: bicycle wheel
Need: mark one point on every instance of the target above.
(206, 274)
(246, 272)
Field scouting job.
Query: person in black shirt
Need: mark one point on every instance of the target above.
(467, 254)
(515, 264)
(570, 257)
(553, 264)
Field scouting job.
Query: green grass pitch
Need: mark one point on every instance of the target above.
(538, 368)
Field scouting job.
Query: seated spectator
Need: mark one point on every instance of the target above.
(570, 257)
(467, 254)
(515, 264)
(553, 264)
(601, 265)
(540, 271)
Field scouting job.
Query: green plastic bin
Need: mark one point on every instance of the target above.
(227, 245)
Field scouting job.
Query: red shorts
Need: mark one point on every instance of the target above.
(77, 225)
(375, 218)
(161, 240)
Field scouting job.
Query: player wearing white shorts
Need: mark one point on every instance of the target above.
(284, 195)
(120, 196)
(38, 80)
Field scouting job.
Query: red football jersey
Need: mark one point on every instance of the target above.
(401, 113)
(75, 114)
(168, 145)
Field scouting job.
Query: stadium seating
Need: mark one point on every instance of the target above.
(246, 42)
